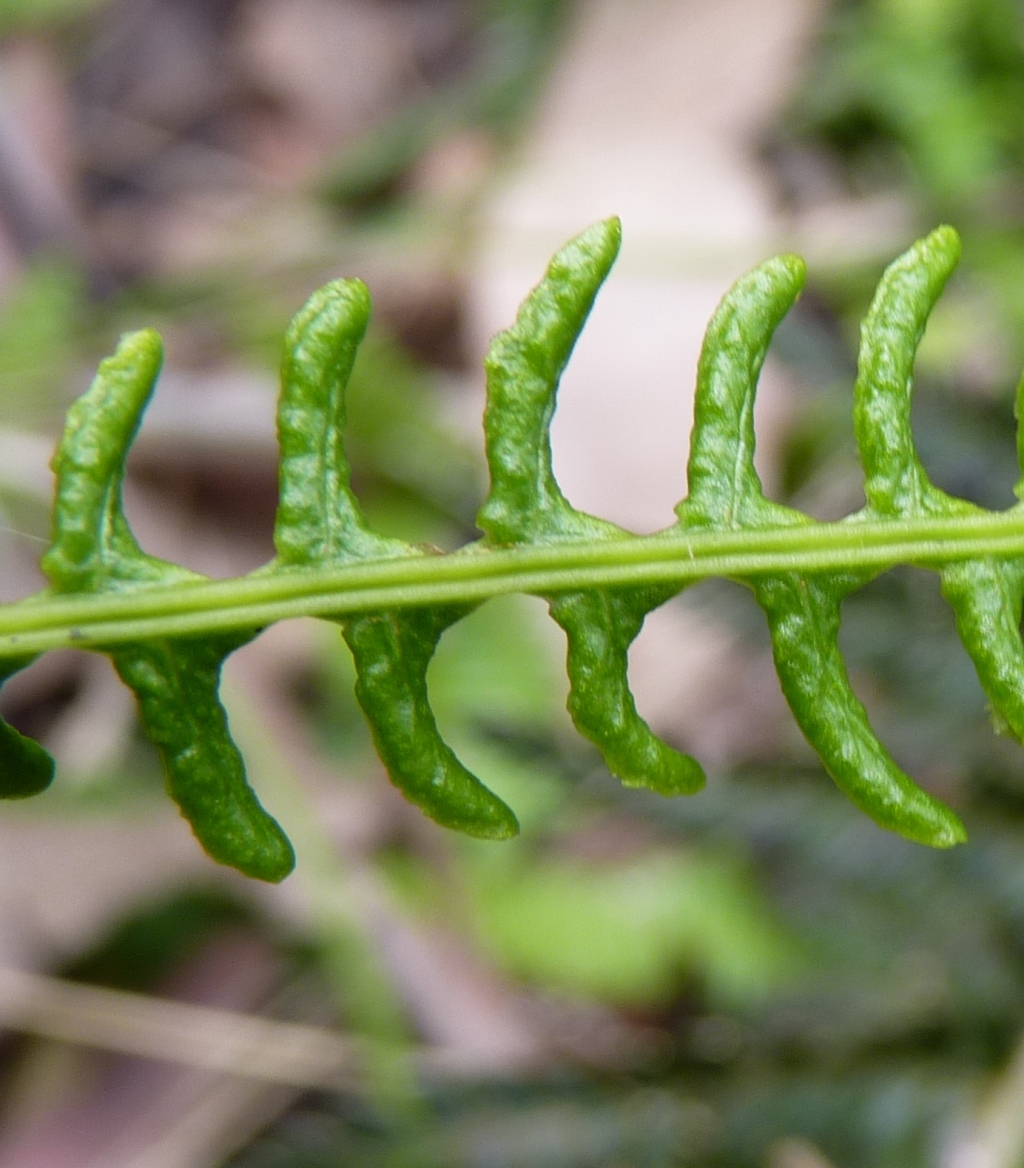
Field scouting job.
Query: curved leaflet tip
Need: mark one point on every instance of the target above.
(524, 366)
(895, 482)
(319, 521)
(318, 516)
(91, 539)
(724, 488)
(392, 652)
(803, 617)
(600, 626)
(176, 685)
(525, 505)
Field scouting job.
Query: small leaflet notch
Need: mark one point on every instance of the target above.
(319, 521)
(175, 682)
(803, 612)
(525, 505)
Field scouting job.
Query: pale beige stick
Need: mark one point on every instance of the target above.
(199, 1036)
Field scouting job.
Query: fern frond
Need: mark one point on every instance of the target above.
(168, 630)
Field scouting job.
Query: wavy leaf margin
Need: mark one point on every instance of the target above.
(168, 630)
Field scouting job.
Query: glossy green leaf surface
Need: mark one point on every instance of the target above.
(526, 505)
(168, 631)
(319, 522)
(175, 682)
(803, 610)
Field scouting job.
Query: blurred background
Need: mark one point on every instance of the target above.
(753, 978)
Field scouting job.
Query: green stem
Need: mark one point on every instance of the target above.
(48, 621)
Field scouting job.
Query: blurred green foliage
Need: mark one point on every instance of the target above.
(427, 492)
(925, 98)
(925, 91)
(157, 938)
(23, 15)
(629, 932)
(517, 40)
(42, 329)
